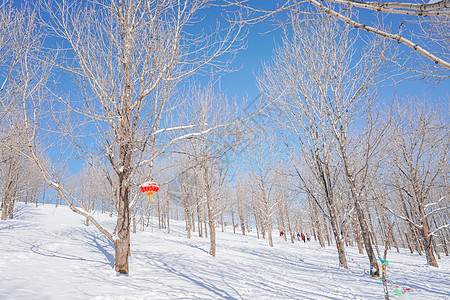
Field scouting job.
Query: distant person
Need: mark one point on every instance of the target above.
(298, 236)
(303, 238)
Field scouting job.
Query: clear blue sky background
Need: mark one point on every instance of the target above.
(260, 43)
(263, 37)
(260, 47)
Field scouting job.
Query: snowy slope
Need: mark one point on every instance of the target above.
(50, 254)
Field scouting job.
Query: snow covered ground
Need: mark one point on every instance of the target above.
(48, 253)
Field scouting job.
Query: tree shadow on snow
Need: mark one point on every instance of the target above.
(95, 242)
(9, 224)
(20, 215)
(39, 248)
(192, 245)
(101, 243)
(201, 283)
(19, 211)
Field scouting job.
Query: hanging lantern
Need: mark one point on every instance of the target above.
(149, 188)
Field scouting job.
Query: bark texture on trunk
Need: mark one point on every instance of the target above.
(268, 219)
(210, 209)
(338, 238)
(427, 245)
(122, 244)
(365, 233)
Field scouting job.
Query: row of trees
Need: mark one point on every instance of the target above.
(318, 154)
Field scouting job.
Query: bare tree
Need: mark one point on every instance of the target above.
(12, 171)
(242, 203)
(19, 177)
(429, 48)
(419, 155)
(346, 92)
(184, 189)
(285, 194)
(18, 37)
(318, 88)
(211, 154)
(21, 77)
(126, 57)
(263, 165)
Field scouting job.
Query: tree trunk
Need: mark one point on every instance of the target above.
(326, 231)
(338, 238)
(232, 220)
(241, 220)
(122, 247)
(210, 209)
(5, 206)
(268, 220)
(357, 230)
(325, 181)
(366, 239)
(11, 207)
(383, 265)
(361, 216)
(188, 225)
(199, 222)
(43, 195)
(168, 214)
(444, 243)
(288, 221)
(212, 229)
(436, 250)
(122, 244)
(192, 216)
(159, 214)
(427, 245)
(257, 223)
(319, 227)
(403, 243)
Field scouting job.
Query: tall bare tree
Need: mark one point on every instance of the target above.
(13, 171)
(320, 89)
(126, 58)
(211, 153)
(21, 77)
(346, 92)
(18, 37)
(428, 45)
(419, 155)
(263, 164)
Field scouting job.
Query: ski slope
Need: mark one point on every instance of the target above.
(49, 253)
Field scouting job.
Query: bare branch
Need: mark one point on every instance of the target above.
(395, 37)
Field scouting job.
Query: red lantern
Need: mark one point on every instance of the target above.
(149, 188)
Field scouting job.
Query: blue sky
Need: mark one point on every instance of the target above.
(262, 39)
(260, 43)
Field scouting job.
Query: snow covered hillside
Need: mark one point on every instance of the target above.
(48, 253)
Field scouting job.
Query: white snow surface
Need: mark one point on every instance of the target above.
(49, 253)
